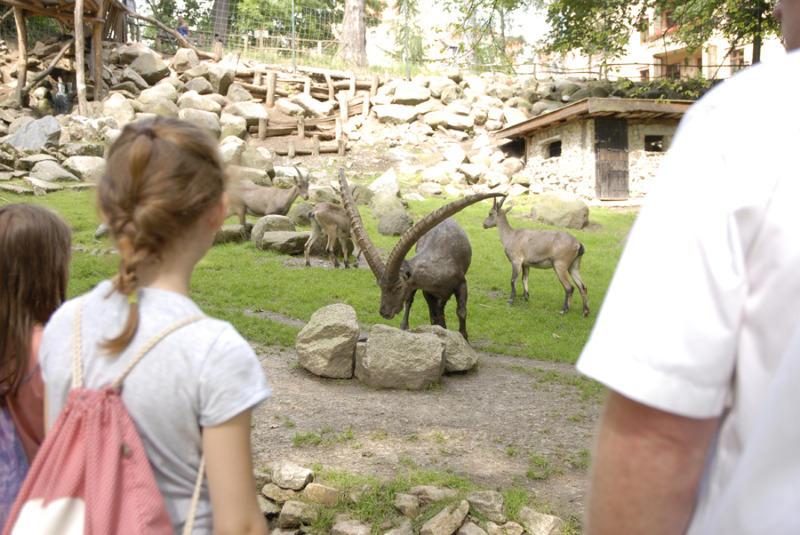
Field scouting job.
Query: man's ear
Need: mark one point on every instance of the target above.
(218, 212)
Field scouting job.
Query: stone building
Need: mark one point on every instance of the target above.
(598, 148)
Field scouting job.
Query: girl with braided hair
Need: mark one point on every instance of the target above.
(163, 197)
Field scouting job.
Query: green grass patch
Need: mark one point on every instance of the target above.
(236, 281)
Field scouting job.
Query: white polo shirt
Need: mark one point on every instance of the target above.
(703, 314)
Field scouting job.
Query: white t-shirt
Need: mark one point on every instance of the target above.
(702, 314)
(201, 375)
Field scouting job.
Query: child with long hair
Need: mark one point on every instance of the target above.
(34, 271)
(163, 197)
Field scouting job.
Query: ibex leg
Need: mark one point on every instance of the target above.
(575, 271)
(436, 309)
(409, 302)
(561, 273)
(461, 308)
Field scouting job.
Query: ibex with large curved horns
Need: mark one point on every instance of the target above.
(439, 267)
(541, 249)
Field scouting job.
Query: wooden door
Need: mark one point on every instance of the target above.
(611, 153)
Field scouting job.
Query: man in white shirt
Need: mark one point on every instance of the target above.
(699, 336)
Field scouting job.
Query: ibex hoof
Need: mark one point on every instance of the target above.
(561, 312)
(510, 301)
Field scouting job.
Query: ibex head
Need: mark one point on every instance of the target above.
(491, 221)
(302, 183)
(394, 276)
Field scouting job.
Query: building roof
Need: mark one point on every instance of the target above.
(626, 108)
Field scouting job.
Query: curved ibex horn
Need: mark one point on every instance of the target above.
(412, 235)
(357, 227)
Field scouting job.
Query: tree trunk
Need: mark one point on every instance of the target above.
(220, 17)
(353, 48)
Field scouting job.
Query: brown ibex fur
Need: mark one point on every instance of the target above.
(438, 269)
(541, 249)
(332, 219)
(248, 198)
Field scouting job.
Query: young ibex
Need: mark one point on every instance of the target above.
(438, 269)
(247, 197)
(332, 219)
(541, 249)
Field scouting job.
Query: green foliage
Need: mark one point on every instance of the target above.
(604, 26)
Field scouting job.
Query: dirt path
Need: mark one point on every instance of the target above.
(512, 421)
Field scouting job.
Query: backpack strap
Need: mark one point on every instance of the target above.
(77, 381)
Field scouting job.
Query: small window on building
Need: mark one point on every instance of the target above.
(644, 75)
(654, 143)
(674, 71)
(669, 19)
(554, 149)
(737, 60)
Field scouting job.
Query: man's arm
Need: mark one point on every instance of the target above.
(646, 469)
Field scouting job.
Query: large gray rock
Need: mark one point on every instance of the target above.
(538, 523)
(326, 345)
(204, 119)
(119, 108)
(251, 111)
(158, 92)
(351, 527)
(50, 171)
(199, 85)
(488, 503)
(399, 359)
(410, 94)
(232, 125)
(395, 113)
(290, 476)
(561, 210)
(131, 76)
(383, 203)
(447, 521)
(311, 106)
(237, 93)
(458, 354)
(221, 76)
(194, 100)
(150, 67)
(37, 134)
(395, 222)
(294, 514)
(291, 243)
(387, 182)
(449, 120)
(87, 168)
(184, 59)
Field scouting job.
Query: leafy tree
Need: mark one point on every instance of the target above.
(484, 24)
(604, 26)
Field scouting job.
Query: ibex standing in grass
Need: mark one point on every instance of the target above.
(438, 269)
(332, 219)
(541, 249)
(247, 197)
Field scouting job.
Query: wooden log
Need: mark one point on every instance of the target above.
(365, 107)
(293, 150)
(218, 50)
(373, 90)
(22, 49)
(262, 128)
(257, 78)
(301, 127)
(272, 81)
(352, 85)
(45, 73)
(331, 90)
(307, 86)
(290, 151)
(315, 146)
(97, 45)
(343, 113)
(80, 73)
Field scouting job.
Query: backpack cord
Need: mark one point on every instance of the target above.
(77, 381)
